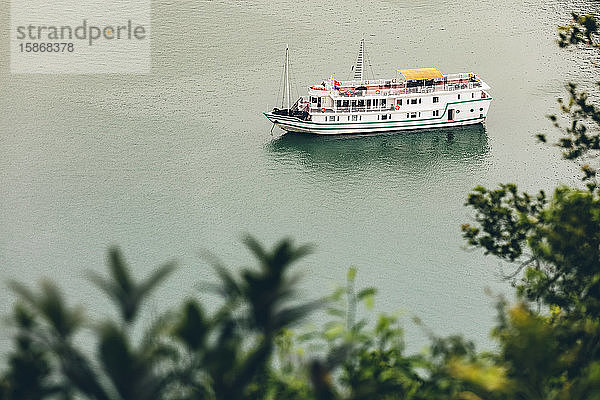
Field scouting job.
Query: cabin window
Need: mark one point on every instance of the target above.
(338, 118)
(369, 103)
(472, 95)
(361, 103)
(413, 115)
(332, 118)
(413, 101)
(459, 96)
(407, 115)
(354, 117)
(313, 99)
(480, 115)
(419, 113)
(399, 102)
(436, 113)
(345, 103)
(375, 102)
(389, 116)
(419, 100)
(339, 103)
(384, 116)
(436, 99)
(360, 117)
(382, 102)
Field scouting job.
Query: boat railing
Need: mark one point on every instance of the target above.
(399, 90)
(381, 82)
(321, 110)
(440, 87)
(400, 79)
(460, 76)
(351, 109)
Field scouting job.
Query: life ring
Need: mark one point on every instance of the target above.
(405, 90)
(397, 107)
(394, 80)
(350, 93)
(378, 92)
(322, 110)
(366, 82)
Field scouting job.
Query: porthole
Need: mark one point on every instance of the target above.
(481, 109)
(472, 110)
(457, 111)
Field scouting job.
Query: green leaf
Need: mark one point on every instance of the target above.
(351, 276)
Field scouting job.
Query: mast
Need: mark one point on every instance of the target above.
(287, 75)
(359, 67)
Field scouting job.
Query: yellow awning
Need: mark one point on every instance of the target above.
(421, 73)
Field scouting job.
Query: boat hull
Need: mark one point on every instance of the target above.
(292, 124)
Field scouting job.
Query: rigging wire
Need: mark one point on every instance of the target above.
(295, 85)
(351, 74)
(281, 86)
(366, 62)
(372, 71)
(368, 59)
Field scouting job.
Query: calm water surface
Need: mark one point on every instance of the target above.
(168, 164)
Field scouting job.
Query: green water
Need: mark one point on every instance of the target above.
(169, 164)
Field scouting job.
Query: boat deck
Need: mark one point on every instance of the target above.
(391, 87)
(354, 99)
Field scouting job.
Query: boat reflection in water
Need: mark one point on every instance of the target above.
(414, 155)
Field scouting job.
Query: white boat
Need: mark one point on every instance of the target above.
(422, 98)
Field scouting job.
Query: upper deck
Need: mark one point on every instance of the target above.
(415, 81)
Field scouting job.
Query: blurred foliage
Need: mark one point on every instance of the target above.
(185, 354)
(583, 30)
(548, 344)
(246, 349)
(580, 139)
(556, 242)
